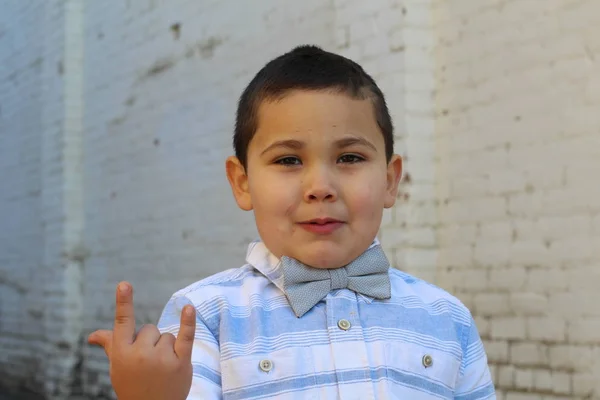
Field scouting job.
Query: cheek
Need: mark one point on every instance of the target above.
(366, 199)
(274, 196)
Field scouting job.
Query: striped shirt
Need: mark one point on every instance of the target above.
(421, 343)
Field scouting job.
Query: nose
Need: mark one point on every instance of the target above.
(320, 185)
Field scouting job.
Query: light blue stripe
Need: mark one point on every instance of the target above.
(202, 371)
(298, 383)
(480, 394)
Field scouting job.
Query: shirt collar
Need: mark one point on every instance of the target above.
(269, 265)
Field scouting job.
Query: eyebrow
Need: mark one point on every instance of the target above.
(340, 144)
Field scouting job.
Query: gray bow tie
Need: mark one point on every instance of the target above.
(305, 286)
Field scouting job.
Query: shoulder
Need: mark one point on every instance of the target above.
(235, 288)
(412, 290)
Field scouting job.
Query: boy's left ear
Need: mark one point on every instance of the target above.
(394, 173)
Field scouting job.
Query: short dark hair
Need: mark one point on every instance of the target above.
(307, 67)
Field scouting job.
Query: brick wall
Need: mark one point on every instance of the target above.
(21, 239)
(517, 100)
(115, 126)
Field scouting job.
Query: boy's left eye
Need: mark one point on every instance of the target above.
(350, 159)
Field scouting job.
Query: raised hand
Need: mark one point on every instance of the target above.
(149, 365)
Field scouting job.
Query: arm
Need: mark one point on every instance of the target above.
(474, 380)
(206, 380)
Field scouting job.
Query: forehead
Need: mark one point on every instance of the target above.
(319, 112)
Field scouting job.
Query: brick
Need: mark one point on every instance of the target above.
(546, 280)
(456, 256)
(528, 354)
(561, 382)
(542, 380)
(496, 350)
(491, 304)
(506, 376)
(571, 305)
(585, 384)
(491, 253)
(523, 379)
(522, 396)
(546, 328)
(508, 328)
(507, 278)
(572, 358)
(483, 326)
(532, 252)
(528, 303)
(584, 331)
(457, 234)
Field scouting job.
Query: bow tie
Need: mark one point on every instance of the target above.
(305, 286)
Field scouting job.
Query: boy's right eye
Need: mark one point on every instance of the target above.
(288, 161)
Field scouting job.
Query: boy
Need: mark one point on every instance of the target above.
(316, 312)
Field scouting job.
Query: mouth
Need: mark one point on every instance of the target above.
(321, 226)
(322, 221)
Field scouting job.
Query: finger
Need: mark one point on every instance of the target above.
(167, 340)
(147, 336)
(124, 329)
(187, 331)
(102, 338)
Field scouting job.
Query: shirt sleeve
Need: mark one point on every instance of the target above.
(206, 381)
(474, 380)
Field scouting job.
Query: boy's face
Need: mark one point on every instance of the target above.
(317, 177)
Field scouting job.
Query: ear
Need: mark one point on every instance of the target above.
(236, 175)
(394, 173)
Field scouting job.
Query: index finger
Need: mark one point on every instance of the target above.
(124, 329)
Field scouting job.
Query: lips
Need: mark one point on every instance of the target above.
(321, 226)
(321, 221)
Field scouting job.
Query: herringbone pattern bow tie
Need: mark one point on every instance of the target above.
(305, 286)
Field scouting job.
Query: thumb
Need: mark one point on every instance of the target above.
(102, 338)
(187, 331)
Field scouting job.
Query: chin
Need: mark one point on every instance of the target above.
(324, 258)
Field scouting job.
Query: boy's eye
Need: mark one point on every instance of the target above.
(350, 159)
(288, 161)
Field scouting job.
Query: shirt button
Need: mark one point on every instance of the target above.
(265, 365)
(344, 324)
(427, 361)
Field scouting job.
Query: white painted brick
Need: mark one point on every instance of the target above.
(497, 351)
(528, 303)
(533, 252)
(561, 382)
(504, 182)
(508, 328)
(528, 354)
(489, 253)
(507, 278)
(469, 211)
(492, 304)
(572, 358)
(546, 280)
(571, 305)
(546, 329)
(457, 234)
(585, 331)
(585, 385)
(506, 375)
(522, 396)
(524, 379)
(542, 380)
